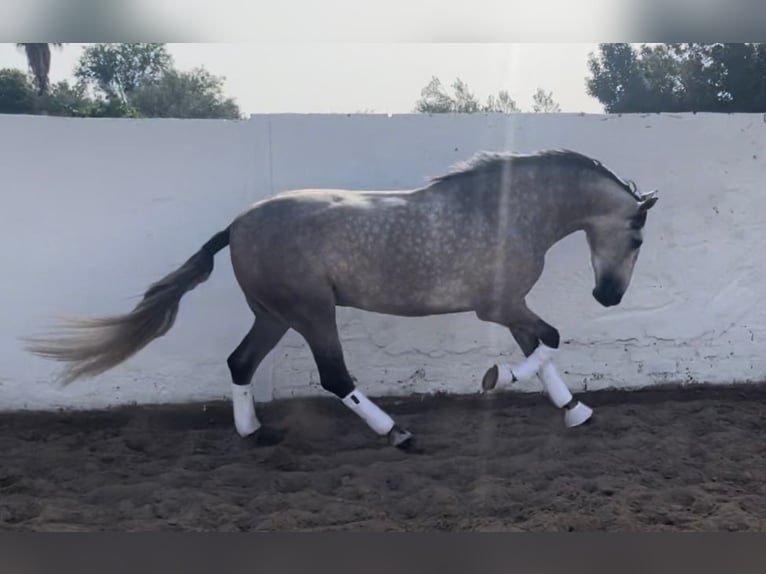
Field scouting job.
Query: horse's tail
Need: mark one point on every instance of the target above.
(93, 346)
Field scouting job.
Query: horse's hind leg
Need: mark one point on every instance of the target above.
(318, 326)
(243, 362)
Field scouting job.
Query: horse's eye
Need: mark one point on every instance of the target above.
(636, 243)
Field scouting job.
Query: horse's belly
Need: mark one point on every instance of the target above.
(406, 300)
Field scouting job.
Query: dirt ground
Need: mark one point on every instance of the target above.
(678, 459)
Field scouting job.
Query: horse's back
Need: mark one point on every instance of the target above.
(313, 235)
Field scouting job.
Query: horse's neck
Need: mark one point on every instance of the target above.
(553, 216)
(557, 217)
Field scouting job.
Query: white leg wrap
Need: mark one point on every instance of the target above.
(244, 410)
(556, 388)
(561, 396)
(372, 414)
(532, 364)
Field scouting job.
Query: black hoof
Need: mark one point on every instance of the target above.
(406, 444)
(267, 436)
(489, 380)
(586, 424)
(403, 440)
(398, 437)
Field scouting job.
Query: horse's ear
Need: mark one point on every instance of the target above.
(647, 201)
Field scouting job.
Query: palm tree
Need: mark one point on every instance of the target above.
(39, 60)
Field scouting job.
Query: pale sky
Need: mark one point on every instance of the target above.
(384, 78)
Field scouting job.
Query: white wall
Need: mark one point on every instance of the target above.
(94, 210)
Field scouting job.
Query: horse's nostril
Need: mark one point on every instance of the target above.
(608, 295)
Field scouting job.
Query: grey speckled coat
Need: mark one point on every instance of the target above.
(472, 240)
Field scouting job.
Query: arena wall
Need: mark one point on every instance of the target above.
(93, 210)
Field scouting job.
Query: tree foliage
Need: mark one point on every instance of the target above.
(65, 99)
(435, 99)
(73, 100)
(17, 94)
(543, 102)
(121, 80)
(689, 77)
(502, 103)
(195, 94)
(39, 62)
(118, 70)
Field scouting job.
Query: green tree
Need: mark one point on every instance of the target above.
(195, 94)
(616, 79)
(502, 103)
(690, 77)
(464, 101)
(116, 71)
(39, 62)
(139, 80)
(543, 102)
(122, 80)
(74, 101)
(17, 94)
(434, 99)
(65, 99)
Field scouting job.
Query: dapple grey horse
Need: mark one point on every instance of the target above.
(473, 240)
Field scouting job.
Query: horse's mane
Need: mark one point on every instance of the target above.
(490, 162)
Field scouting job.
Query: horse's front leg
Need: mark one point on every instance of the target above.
(539, 342)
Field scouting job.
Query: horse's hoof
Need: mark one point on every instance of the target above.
(496, 375)
(400, 438)
(578, 415)
(489, 380)
(267, 436)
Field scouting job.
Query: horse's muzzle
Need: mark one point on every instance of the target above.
(608, 292)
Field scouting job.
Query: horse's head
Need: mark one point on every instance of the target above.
(615, 239)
